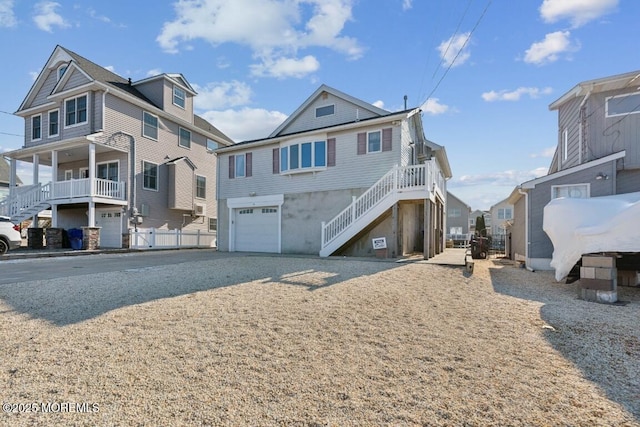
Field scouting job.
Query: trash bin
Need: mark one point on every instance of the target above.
(75, 238)
(479, 247)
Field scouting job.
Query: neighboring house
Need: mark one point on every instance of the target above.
(458, 214)
(122, 154)
(597, 154)
(5, 178)
(473, 216)
(501, 214)
(333, 176)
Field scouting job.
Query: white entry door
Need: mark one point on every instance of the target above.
(111, 231)
(256, 229)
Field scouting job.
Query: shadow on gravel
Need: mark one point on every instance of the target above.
(74, 299)
(602, 340)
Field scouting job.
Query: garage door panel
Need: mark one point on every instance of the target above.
(111, 228)
(256, 229)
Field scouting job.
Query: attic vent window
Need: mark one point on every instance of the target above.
(61, 70)
(179, 96)
(327, 110)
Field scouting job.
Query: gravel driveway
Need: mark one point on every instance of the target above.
(260, 340)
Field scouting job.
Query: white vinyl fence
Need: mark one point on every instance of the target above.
(153, 238)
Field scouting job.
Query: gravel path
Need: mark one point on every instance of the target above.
(312, 342)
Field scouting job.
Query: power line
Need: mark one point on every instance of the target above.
(11, 134)
(459, 51)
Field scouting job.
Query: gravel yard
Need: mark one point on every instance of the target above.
(259, 340)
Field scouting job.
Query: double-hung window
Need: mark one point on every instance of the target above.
(149, 176)
(302, 156)
(149, 125)
(185, 138)
(36, 127)
(504, 213)
(179, 96)
(76, 110)
(201, 187)
(455, 212)
(374, 142)
(54, 123)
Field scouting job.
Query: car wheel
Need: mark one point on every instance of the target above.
(4, 247)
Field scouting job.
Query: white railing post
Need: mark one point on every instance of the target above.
(178, 240)
(198, 239)
(324, 237)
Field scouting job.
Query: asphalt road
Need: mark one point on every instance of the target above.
(24, 270)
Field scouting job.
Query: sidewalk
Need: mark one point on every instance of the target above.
(24, 252)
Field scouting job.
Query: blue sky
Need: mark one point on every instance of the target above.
(484, 72)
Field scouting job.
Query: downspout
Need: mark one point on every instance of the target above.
(526, 228)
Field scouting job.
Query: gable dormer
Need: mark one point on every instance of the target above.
(169, 92)
(327, 107)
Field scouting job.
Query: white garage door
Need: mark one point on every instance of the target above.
(256, 229)
(111, 231)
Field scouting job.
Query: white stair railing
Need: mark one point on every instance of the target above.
(397, 180)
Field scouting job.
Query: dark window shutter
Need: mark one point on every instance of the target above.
(232, 167)
(331, 152)
(386, 139)
(249, 164)
(362, 143)
(276, 160)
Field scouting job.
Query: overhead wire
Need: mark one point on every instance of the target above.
(484, 12)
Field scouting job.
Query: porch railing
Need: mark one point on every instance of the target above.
(86, 188)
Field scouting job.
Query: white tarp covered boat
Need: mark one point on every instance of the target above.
(597, 224)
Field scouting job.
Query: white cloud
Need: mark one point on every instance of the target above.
(94, 15)
(547, 152)
(220, 95)
(379, 104)
(434, 107)
(247, 123)
(578, 12)
(515, 95)
(274, 29)
(110, 68)
(549, 49)
(455, 51)
(34, 75)
(7, 17)
(46, 16)
(407, 4)
(507, 178)
(154, 72)
(286, 67)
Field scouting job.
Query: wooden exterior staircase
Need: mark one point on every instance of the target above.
(415, 182)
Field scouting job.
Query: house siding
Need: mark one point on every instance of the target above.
(461, 221)
(126, 117)
(568, 118)
(342, 176)
(344, 112)
(154, 91)
(607, 135)
(181, 186)
(518, 230)
(628, 181)
(541, 246)
(185, 114)
(75, 80)
(46, 89)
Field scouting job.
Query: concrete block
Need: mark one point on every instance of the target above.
(605, 273)
(599, 284)
(627, 278)
(587, 272)
(604, 297)
(600, 261)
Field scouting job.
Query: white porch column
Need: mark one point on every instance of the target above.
(36, 168)
(54, 216)
(13, 176)
(54, 171)
(92, 214)
(92, 169)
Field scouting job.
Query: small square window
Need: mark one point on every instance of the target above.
(213, 225)
(212, 145)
